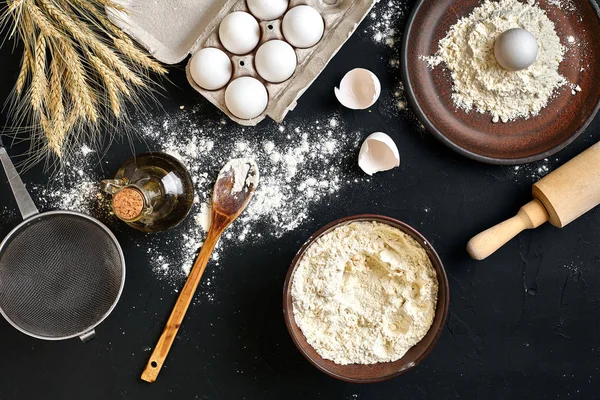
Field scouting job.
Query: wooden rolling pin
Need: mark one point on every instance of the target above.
(560, 197)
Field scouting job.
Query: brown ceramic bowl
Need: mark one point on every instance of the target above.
(473, 134)
(357, 373)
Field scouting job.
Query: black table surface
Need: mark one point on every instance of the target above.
(522, 324)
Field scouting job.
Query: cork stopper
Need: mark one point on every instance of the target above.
(128, 204)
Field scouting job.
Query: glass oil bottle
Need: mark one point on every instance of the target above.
(152, 192)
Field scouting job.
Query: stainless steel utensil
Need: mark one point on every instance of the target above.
(61, 272)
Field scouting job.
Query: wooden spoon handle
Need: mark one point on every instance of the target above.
(531, 215)
(161, 350)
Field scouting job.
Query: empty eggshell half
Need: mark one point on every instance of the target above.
(359, 89)
(378, 153)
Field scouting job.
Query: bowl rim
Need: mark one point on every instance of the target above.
(421, 115)
(404, 227)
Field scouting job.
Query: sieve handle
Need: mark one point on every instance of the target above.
(26, 205)
(89, 335)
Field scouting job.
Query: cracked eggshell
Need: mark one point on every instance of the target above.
(359, 89)
(378, 153)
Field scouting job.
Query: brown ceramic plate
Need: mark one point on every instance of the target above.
(357, 373)
(473, 134)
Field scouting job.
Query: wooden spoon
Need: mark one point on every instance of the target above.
(232, 192)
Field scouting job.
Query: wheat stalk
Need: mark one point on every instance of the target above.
(24, 72)
(78, 68)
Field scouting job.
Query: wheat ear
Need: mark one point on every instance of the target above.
(77, 69)
(14, 5)
(112, 4)
(137, 56)
(121, 41)
(25, 69)
(114, 84)
(82, 33)
(39, 19)
(76, 83)
(39, 82)
(56, 133)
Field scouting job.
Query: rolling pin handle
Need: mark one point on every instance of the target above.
(530, 216)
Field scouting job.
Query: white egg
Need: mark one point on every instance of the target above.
(268, 9)
(275, 61)
(515, 49)
(246, 97)
(211, 68)
(359, 89)
(378, 153)
(239, 32)
(303, 26)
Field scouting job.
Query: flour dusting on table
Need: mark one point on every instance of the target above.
(301, 164)
(384, 22)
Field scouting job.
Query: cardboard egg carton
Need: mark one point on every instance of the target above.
(173, 29)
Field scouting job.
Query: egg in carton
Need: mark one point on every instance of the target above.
(172, 29)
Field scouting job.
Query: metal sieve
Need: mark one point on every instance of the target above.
(61, 272)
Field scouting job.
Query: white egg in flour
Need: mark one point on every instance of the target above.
(246, 97)
(515, 49)
(275, 61)
(267, 9)
(211, 68)
(239, 32)
(303, 26)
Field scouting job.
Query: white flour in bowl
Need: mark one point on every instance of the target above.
(364, 293)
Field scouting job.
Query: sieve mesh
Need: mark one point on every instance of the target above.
(60, 274)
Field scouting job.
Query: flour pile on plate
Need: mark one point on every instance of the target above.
(480, 82)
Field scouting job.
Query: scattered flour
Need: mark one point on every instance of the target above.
(384, 26)
(300, 165)
(566, 5)
(532, 172)
(75, 187)
(479, 82)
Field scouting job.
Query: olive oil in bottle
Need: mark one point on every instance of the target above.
(152, 192)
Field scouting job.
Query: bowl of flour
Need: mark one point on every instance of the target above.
(366, 298)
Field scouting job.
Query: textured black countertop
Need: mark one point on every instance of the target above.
(522, 324)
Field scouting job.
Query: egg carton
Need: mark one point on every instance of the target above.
(173, 29)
